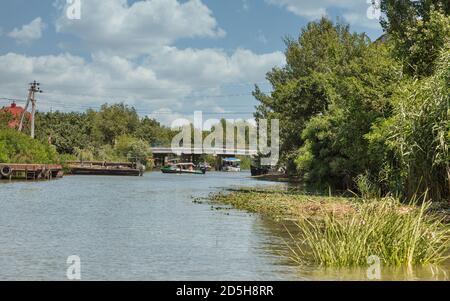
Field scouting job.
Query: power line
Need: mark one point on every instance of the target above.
(11, 99)
(75, 107)
(235, 84)
(58, 106)
(204, 96)
(140, 98)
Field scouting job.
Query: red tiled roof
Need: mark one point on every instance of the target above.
(16, 112)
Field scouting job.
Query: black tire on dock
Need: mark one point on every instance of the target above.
(6, 171)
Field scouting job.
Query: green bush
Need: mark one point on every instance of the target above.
(16, 147)
(419, 29)
(132, 149)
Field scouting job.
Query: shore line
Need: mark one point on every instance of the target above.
(344, 231)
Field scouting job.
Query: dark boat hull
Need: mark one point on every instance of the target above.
(106, 172)
(256, 171)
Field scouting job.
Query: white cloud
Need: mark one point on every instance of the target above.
(213, 66)
(361, 20)
(133, 60)
(167, 117)
(136, 29)
(354, 11)
(29, 32)
(169, 79)
(70, 82)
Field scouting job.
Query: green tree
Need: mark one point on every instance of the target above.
(310, 81)
(153, 133)
(5, 118)
(419, 29)
(17, 147)
(132, 149)
(335, 150)
(66, 131)
(413, 144)
(113, 121)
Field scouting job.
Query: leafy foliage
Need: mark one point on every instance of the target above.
(67, 131)
(96, 135)
(115, 133)
(335, 150)
(20, 148)
(5, 118)
(114, 121)
(132, 148)
(304, 87)
(414, 142)
(419, 30)
(367, 116)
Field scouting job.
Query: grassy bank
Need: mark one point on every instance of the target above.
(344, 232)
(281, 205)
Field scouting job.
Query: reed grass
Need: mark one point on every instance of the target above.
(397, 234)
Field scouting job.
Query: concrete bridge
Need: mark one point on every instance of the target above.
(203, 151)
(162, 155)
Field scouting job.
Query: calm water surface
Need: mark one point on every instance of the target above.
(146, 228)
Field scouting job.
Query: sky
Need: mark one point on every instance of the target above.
(167, 58)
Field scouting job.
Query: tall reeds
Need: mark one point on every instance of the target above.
(397, 234)
(417, 137)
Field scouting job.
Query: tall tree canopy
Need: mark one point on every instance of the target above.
(368, 116)
(419, 29)
(321, 66)
(95, 133)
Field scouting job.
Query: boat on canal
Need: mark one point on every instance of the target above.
(106, 169)
(231, 164)
(183, 168)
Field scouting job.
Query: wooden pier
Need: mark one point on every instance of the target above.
(30, 172)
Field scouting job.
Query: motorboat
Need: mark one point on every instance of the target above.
(183, 168)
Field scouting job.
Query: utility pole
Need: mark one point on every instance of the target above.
(34, 88)
(30, 94)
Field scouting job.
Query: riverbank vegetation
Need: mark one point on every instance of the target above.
(344, 232)
(371, 117)
(283, 205)
(398, 235)
(368, 118)
(114, 133)
(20, 148)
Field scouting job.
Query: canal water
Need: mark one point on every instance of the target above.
(148, 228)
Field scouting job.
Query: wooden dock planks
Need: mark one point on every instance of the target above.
(10, 171)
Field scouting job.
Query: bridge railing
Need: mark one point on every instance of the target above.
(201, 151)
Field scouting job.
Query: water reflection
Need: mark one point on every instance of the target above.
(148, 228)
